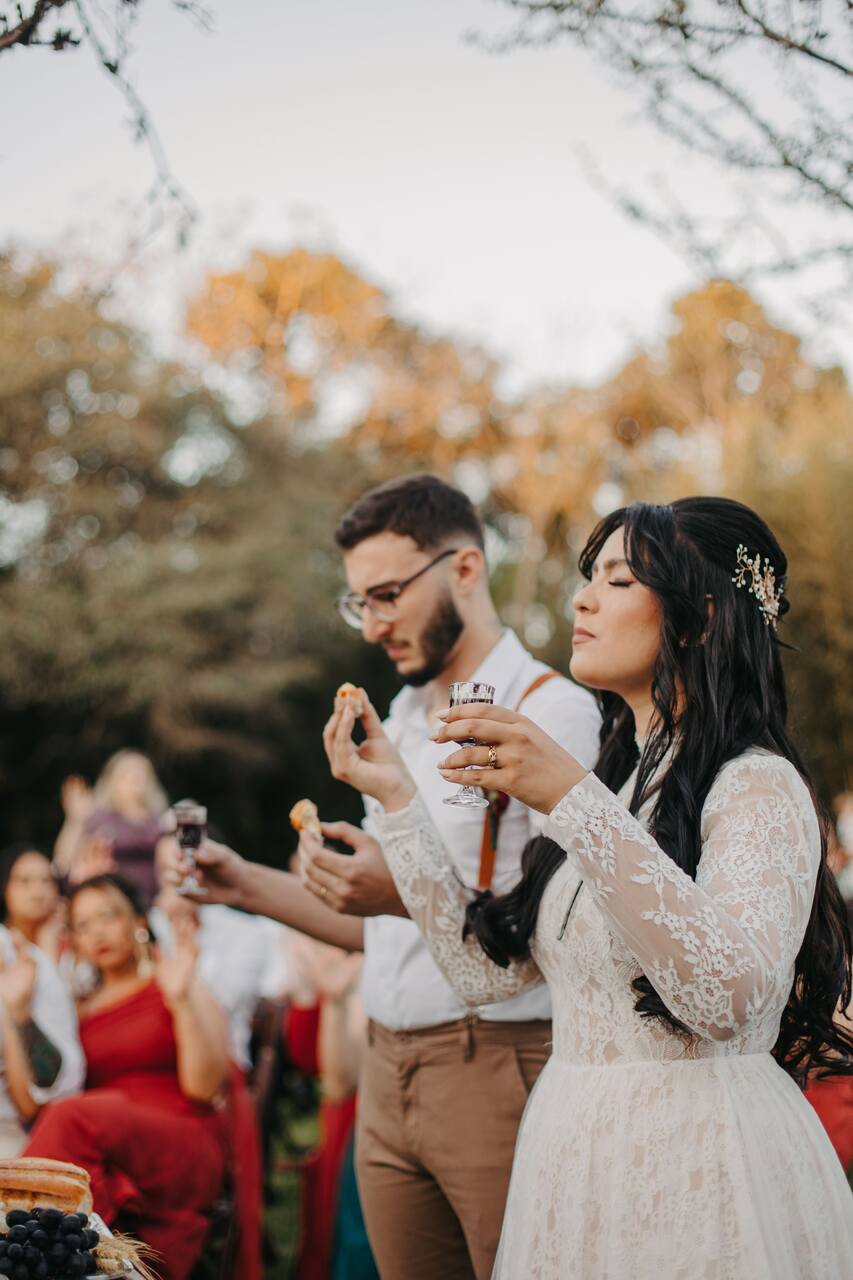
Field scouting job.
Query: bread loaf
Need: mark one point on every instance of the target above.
(30, 1183)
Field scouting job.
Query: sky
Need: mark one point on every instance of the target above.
(448, 175)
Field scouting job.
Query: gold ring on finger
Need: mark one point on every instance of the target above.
(493, 757)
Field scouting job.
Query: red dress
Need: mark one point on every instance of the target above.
(832, 1099)
(322, 1168)
(160, 1162)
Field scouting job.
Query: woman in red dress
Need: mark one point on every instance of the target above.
(156, 1048)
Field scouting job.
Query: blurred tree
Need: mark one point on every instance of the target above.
(167, 578)
(762, 87)
(730, 404)
(337, 361)
(725, 388)
(105, 28)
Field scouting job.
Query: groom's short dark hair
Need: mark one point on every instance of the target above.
(421, 507)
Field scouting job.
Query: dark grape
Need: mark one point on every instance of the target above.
(16, 1216)
(7, 1266)
(21, 1272)
(15, 1251)
(76, 1265)
(58, 1252)
(31, 1254)
(3, 1247)
(73, 1240)
(50, 1219)
(91, 1263)
(18, 1232)
(91, 1239)
(40, 1238)
(75, 1221)
(41, 1270)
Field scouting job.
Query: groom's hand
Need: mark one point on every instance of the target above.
(356, 884)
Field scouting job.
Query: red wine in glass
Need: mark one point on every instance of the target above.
(190, 830)
(465, 691)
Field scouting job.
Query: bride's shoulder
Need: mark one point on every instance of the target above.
(763, 778)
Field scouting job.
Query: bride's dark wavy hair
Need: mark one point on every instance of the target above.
(727, 661)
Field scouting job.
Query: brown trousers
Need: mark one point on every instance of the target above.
(438, 1117)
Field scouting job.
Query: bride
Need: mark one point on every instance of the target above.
(678, 905)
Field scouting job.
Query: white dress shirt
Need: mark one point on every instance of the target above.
(402, 986)
(53, 1011)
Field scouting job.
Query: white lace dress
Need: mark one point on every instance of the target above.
(641, 1157)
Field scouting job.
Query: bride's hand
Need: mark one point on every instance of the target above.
(530, 766)
(374, 766)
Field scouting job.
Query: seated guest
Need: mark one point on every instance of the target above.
(234, 957)
(116, 826)
(29, 898)
(156, 1050)
(40, 1054)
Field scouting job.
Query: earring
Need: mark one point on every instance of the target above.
(144, 965)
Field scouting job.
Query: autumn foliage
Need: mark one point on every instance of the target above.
(179, 546)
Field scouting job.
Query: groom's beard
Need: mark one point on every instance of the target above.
(437, 641)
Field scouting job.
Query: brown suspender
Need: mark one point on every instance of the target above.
(487, 848)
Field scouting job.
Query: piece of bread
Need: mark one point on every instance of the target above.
(30, 1183)
(348, 690)
(304, 817)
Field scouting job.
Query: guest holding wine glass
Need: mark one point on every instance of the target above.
(147, 1127)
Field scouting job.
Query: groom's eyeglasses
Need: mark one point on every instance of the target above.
(382, 600)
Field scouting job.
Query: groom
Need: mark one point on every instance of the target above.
(442, 1087)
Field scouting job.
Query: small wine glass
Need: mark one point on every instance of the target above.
(190, 830)
(464, 691)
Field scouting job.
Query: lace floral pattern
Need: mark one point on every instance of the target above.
(690, 1156)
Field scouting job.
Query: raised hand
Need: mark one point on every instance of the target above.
(175, 972)
(356, 884)
(95, 858)
(18, 980)
(374, 766)
(525, 762)
(78, 800)
(51, 934)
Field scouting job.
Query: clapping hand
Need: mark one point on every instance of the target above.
(78, 800)
(374, 766)
(18, 980)
(175, 972)
(95, 858)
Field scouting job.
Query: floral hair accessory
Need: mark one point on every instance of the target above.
(760, 581)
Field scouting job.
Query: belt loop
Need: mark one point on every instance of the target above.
(468, 1023)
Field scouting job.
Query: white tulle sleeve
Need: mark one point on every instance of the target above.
(720, 950)
(436, 899)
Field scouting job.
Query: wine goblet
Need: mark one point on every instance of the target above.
(463, 692)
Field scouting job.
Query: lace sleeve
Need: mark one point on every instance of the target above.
(436, 899)
(719, 951)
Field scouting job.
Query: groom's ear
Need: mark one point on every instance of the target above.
(468, 567)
